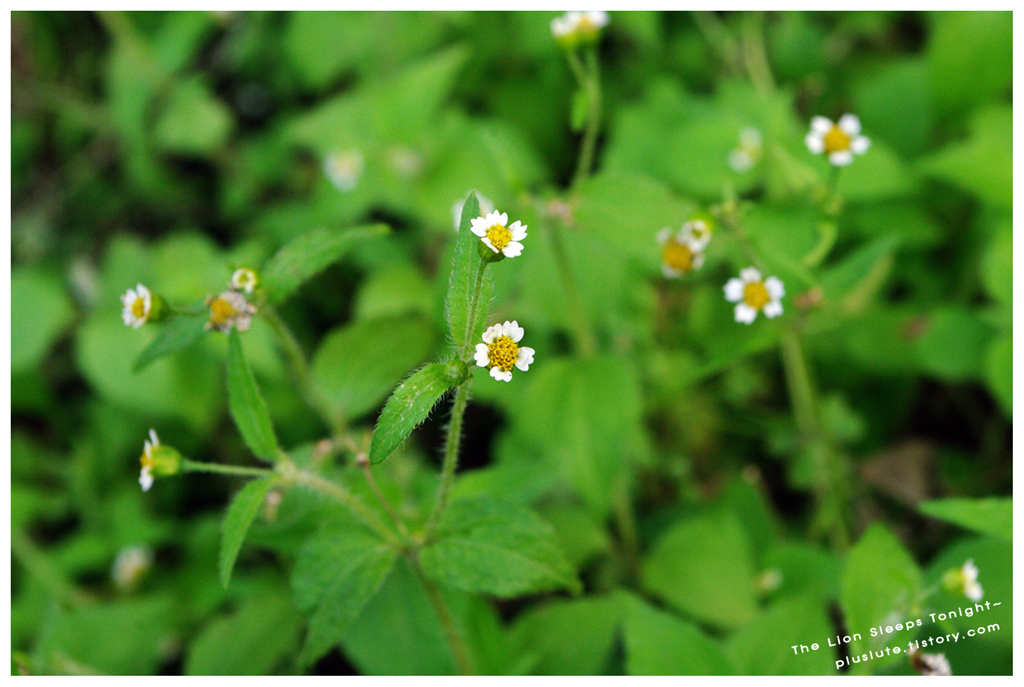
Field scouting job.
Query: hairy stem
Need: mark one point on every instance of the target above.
(451, 456)
(240, 470)
(346, 498)
(592, 85)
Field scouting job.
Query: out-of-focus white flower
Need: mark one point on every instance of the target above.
(769, 580)
(572, 28)
(244, 279)
(930, 664)
(752, 295)
(501, 350)
(131, 564)
(486, 207)
(405, 162)
(498, 235)
(748, 152)
(681, 251)
(138, 305)
(839, 141)
(344, 168)
(969, 576)
(230, 309)
(157, 461)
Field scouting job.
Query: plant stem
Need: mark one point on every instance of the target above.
(469, 341)
(583, 334)
(346, 498)
(592, 84)
(193, 466)
(459, 653)
(364, 464)
(451, 457)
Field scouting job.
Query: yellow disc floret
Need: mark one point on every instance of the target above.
(139, 308)
(677, 255)
(755, 295)
(836, 140)
(503, 353)
(221, 312)
(499, 236)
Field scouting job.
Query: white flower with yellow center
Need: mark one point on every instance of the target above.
(344, 169)
(486, 206)
(839, 141)
(969, 581)
(244, 279)
(498, 235)
(578, 25)
(131, 565)
(230, 309)
(138, 304)
(501, 350)
(146, 475)
(752, 295)
(681, 251)
(748, 152)
(930, 664)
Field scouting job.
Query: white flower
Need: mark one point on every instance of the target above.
(501, 350)
(146, 475)
(131, 564)
(498, 235)
(486, 206)
(405, 162)
(838, 141)
(578, 24)
(930, 664)
(748, 152)
(969, 579)
(230, 309)
(344, 169)
(138, 304)
(751, 295)
(244, 279)
(681, 252)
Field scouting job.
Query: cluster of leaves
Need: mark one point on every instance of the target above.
(629, 493)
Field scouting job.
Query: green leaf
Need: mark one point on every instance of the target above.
(953, 345)
(307, 255)
(702, 568)
(178, 332)
(658, 643)
(997, 264)
(338, 571)
(764, 646)
(253, 640)
(462, 282)
(407, 407)
(879, 587)
(970, 55)
(40, 310)
(239, 516)
(998, 371)
(988, 516)
(356, 365)
(194, 121)
(485, 546)
(569, 637)
(247, 405)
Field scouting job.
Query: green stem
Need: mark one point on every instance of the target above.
(364, 463)
(718, 37)
(346, 498)
(754, 55)
(193, 466)
(459, 653)
(451, 457)
(583, 334)
(592, 84)
(469, 341)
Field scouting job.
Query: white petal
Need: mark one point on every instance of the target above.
(508, 328)
(698, 260)
(849, 124)
(138, 322)
(772, 309)
(128, 298)
(145, 479)
(518, 231)
(598, 18)
(750, 137)
(487, 242)
(750, 275)
(734, 290)
(524, 358)
(478, 226)
(860, 144)
(669, 272)
(127, 316)
(152, 435)
(517, 332)
(970, 570)
(840, 158)
(973, 591)
(482, 355)
(142, 290)
(662, 236)
(740, 160)
(821, 125)
(815, 143)
(745, 313)
(513, 249)
(774, 287)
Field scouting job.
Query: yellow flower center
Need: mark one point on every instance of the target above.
(677, 255)
(221, 312)
(147, 460)
(499, 236)
(836, 140)
(503, 352)
(756, 295)
(139, 308)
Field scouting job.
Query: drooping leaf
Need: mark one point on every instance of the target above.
(338, 571)
(240, 515)
(988, 516)
(247, 405)
(307, 255)
(408, 406)
(180, 331)
(462, 283)
(490, 547)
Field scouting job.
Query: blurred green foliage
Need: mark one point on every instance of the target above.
(660, 507)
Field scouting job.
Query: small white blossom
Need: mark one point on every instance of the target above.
(501, 350)
(969, 578)
(405, 162)
(131, 564)
(146, 475)
(839, 141)
(344, 169)
(681, 251)
(930, 664)
(138, 304)
(486, 207)
(230, 309)
(573, 25)
(748, 152)
(752, 295)
(244, 279)
(498, 235)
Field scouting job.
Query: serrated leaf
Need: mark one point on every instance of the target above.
(307, 255)
(181, 331)
(247, 405)
(338, 571)
(463, 280)
(988, 516)
(239, 516)
(879, 587)
(407, 407)
(490, 547)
